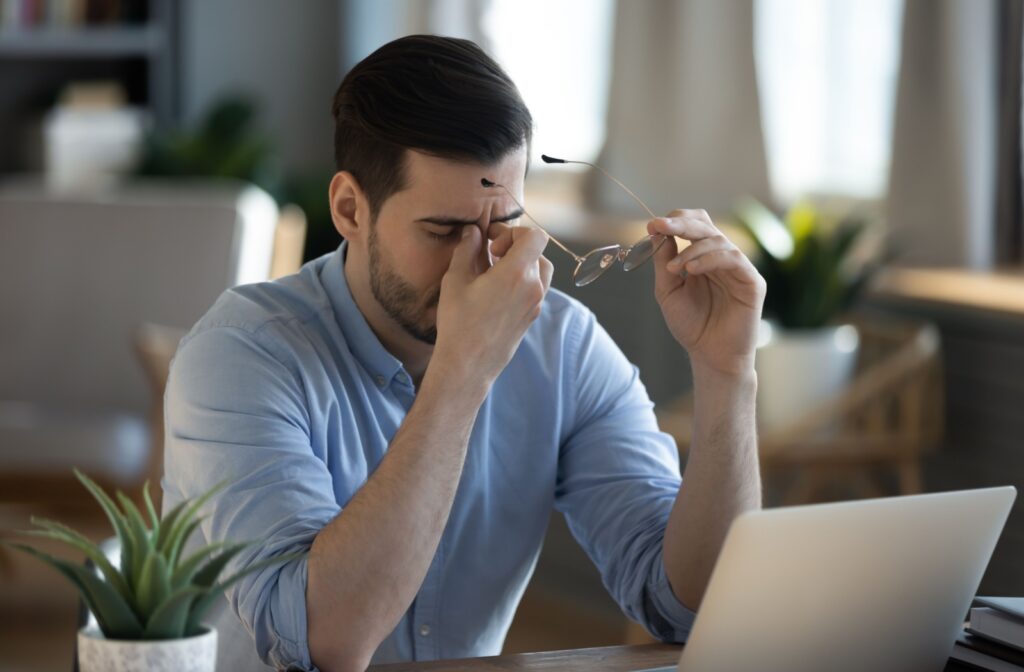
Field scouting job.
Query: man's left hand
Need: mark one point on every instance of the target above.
(710, 294)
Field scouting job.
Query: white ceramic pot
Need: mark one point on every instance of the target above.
(797, 369)
(189, 654)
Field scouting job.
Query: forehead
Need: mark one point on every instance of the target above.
(430, 179)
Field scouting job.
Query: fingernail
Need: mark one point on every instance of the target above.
(465, 231)
(674, 265)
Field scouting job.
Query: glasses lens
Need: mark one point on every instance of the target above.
(594, 264)
(642, 251)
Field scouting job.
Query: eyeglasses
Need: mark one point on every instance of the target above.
(593, 264)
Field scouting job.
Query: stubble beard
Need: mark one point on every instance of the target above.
(398, 298)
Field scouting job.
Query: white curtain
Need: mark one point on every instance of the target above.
(942, 191)
(684, 126)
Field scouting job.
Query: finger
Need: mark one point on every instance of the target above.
(664, 280)
(697, 249)
(547, 270)
(725, 260)
(501, 236)
(524, 251)
(689, 224)
(466, 257)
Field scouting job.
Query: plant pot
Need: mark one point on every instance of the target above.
(798, 369)
(189, 654)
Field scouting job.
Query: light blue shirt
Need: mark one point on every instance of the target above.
(283, 389)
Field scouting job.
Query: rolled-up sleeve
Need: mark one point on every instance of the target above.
(236, 412)
(618, 478)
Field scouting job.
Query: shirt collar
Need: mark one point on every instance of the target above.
(361, 340)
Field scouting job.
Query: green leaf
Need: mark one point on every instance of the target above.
(184, 572)
(207, 576)
(154, 583)
(141, 542)
(115, 617)
(186, 533)
(771, 235)
(182, 526)
(169, 618)
(154, 519)
(67, 535)
(168, 524)
(117, 521)
(204, 602)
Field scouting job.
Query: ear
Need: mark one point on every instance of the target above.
(350, 211)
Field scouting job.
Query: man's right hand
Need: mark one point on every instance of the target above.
(484, 311)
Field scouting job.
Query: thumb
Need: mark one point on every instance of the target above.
(465, 258)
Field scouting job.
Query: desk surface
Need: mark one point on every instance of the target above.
(604, 659)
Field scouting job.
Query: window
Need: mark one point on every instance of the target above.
(827, 72)
(559, 55)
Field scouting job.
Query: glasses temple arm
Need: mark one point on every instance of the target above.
(548, 159)
(488, 184)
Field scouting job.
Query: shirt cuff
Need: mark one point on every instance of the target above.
(667, 618)
(285, 645)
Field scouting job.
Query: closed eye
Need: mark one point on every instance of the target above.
(451, 233)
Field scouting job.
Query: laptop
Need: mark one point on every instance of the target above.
(878, 585)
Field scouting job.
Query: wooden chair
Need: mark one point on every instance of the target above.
(886, 420)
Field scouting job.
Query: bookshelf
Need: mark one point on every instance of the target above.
(44, 46)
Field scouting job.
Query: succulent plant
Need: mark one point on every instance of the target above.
(157, 592)
(813, 263)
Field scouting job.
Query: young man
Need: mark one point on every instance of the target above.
(411, 406)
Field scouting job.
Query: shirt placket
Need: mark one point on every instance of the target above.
(425, 627)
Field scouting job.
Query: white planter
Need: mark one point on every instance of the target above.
(190, 654)
(799, 369)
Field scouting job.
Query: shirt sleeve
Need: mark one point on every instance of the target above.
(618, 477)
(236, 413)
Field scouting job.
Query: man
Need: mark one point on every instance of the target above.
(411, 406)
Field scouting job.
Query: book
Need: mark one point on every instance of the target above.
(987, 655)
(1014, 606)
(998, 626)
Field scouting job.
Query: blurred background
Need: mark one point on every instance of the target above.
(867, 155)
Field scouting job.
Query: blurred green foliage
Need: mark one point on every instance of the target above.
(814, 262)
(228, 143)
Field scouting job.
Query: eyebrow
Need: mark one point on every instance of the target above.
(455, 221)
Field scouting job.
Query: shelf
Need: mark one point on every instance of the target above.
(121, 41)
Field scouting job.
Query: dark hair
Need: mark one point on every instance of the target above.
(438, 95)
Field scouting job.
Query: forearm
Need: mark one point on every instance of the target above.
(722, 480)
(367, 565)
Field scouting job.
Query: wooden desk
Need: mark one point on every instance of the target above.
(604, 659)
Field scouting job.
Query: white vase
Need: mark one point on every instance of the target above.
(189, 654)
(798, 369)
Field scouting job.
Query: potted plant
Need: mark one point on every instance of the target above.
(816, 266)
(148, 605)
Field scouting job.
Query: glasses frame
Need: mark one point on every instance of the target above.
(610, 254)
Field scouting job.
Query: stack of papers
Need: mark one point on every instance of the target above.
(993, 639)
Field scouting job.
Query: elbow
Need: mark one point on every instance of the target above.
(334, 659)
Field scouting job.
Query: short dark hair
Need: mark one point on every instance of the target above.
(442, 96)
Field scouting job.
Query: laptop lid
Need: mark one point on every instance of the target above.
(876, 585)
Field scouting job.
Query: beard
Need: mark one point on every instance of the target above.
(399, 299)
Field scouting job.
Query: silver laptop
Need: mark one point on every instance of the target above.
(876, 585)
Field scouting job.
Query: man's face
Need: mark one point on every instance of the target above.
(410, 245)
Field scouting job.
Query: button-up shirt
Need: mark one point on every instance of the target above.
(283, 390)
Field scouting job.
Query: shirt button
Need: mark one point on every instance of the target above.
(424, 630)
(381, 381)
